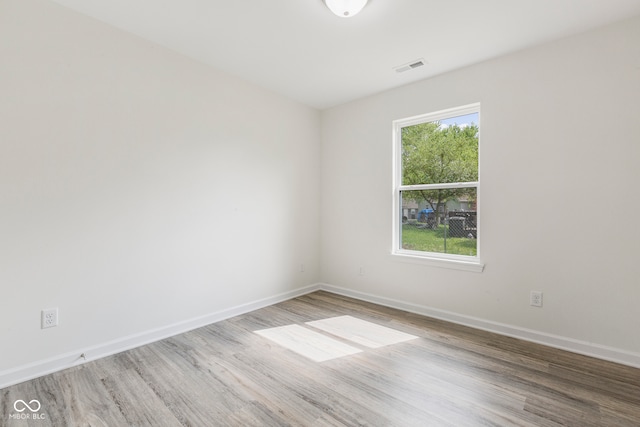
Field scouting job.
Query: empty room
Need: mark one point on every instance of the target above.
(319, 213)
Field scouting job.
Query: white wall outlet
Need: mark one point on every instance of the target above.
(535, 298)
(49, 318)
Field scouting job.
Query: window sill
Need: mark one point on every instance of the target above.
(462, 263)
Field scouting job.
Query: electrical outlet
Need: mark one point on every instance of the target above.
(535, 298)
(49, 318)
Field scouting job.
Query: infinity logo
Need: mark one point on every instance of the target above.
(25, 405)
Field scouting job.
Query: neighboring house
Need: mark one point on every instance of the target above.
(411, 209)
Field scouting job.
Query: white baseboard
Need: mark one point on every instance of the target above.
(575, 346)
(67, 360)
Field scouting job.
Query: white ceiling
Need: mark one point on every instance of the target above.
(301, 50)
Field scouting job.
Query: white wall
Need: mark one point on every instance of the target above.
(560, 153)
(139, 188)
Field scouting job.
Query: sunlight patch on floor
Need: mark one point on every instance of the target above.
(320, 347)
(360, 331)
(311, 344)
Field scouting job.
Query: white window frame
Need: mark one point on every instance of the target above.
(460, 262)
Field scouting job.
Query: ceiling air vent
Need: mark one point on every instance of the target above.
(410, 66)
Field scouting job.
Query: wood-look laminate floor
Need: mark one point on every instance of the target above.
(225, 374)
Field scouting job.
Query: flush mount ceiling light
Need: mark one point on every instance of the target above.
(345, 8)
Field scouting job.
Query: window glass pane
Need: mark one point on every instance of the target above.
(441, 224)
(444, 151)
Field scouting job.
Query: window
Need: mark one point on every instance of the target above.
(436, 175)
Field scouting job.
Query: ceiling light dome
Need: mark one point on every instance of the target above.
(345, 8)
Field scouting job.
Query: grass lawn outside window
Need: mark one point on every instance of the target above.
(418, 238)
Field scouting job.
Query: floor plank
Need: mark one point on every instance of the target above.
(226, 374)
